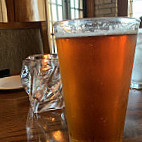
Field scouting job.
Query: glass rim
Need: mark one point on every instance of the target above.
(120, 19)
(98, 26)
(41, 57)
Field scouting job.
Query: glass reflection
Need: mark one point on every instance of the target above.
(46, 127)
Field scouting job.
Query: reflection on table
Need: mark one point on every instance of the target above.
(46, 127)
(19, 124)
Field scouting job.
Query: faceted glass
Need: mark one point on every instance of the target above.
(40, 77)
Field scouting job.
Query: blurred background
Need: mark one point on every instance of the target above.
(57, 10)
(18, 14)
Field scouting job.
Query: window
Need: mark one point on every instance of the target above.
(135, 8)
(59, 10)
(76, 8)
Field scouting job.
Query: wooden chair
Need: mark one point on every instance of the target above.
(17, 41)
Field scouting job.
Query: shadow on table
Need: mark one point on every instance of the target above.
(46, 127)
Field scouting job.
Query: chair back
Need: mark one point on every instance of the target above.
(17, 41)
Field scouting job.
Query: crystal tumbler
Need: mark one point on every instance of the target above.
(40, 76)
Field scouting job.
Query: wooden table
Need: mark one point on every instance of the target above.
(18, 124)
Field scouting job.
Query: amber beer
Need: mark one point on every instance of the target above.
(96, 72)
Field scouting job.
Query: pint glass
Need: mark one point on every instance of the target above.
(96, 59)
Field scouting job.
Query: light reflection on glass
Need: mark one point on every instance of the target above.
(58, 135)
(46, 127)
(53, 119)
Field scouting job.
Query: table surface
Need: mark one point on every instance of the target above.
(18, 124)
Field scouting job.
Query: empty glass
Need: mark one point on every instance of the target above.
(136, 80)
(40, 77)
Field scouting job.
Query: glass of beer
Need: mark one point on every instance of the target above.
(96, 59)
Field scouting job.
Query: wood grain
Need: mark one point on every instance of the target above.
(20, 25)
(90, 8)
(22, 10)
(133, 123)
(45, 37)
(122, 7)
(49, 126)
(10, 10)
(14, 107)
(29, 10)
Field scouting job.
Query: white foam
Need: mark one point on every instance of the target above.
(96, 27)
(95, 33)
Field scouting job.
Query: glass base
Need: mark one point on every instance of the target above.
(136, 85)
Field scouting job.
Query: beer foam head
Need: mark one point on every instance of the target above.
(96, 27)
